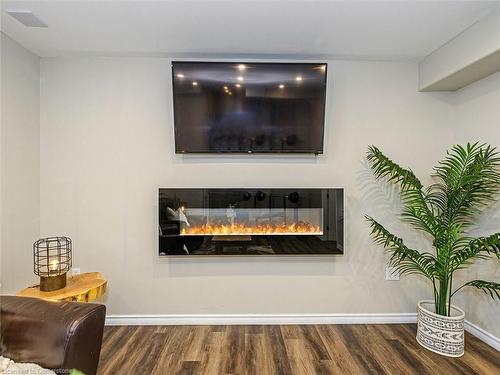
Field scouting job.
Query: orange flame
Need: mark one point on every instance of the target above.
(244, 229)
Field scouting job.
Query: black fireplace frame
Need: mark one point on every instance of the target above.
(179, 209)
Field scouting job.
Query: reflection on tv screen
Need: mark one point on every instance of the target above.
(249, 107)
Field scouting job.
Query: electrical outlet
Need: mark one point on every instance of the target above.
(391, 274)
(75, 271)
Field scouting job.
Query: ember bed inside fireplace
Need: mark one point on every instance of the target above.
(251, 221)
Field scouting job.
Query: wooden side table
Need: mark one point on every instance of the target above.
(85, 287)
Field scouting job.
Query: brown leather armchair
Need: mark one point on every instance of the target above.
(54, 335)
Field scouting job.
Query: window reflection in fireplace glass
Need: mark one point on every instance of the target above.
(250, 221)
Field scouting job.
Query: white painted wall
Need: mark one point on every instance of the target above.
(107, 146)
(477, 118)
(20, 172)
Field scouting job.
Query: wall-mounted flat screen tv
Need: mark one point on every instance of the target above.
(228, 107)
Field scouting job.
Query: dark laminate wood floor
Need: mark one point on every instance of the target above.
(265, 350)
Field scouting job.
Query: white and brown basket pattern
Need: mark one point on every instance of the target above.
(441, 334)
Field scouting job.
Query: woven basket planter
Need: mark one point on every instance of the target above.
(441, 334)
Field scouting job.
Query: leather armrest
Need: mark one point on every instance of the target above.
(54, 335)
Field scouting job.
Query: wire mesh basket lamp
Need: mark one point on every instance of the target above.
(52, 260)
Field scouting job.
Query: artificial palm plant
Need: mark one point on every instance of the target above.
(468, 179)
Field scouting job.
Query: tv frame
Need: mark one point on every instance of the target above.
(253, 62)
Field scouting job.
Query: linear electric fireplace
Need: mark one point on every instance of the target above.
(251, 221)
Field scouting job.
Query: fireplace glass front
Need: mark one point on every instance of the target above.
(250, 221)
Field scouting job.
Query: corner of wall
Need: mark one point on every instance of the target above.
(20, 162)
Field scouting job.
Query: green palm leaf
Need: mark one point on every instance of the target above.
(470, 181)
(404, 259)
(489, 287)
(382, 166)
(472, 249)
(416, 212)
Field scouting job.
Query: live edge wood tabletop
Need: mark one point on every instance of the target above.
(85, 287)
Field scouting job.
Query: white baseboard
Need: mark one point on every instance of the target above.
(233, 319)
(483, 335)
(266, 319)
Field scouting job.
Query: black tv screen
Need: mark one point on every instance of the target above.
(228, 107)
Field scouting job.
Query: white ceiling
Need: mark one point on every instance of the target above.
(389, 30)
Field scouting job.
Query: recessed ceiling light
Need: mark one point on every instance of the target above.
(240, 78)
(230, 93)
(282, 86)
(298, 78)
(238, 85)
(195, 83)
(27, 18)
(241, 67)
(225, 88)
(180, 75)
